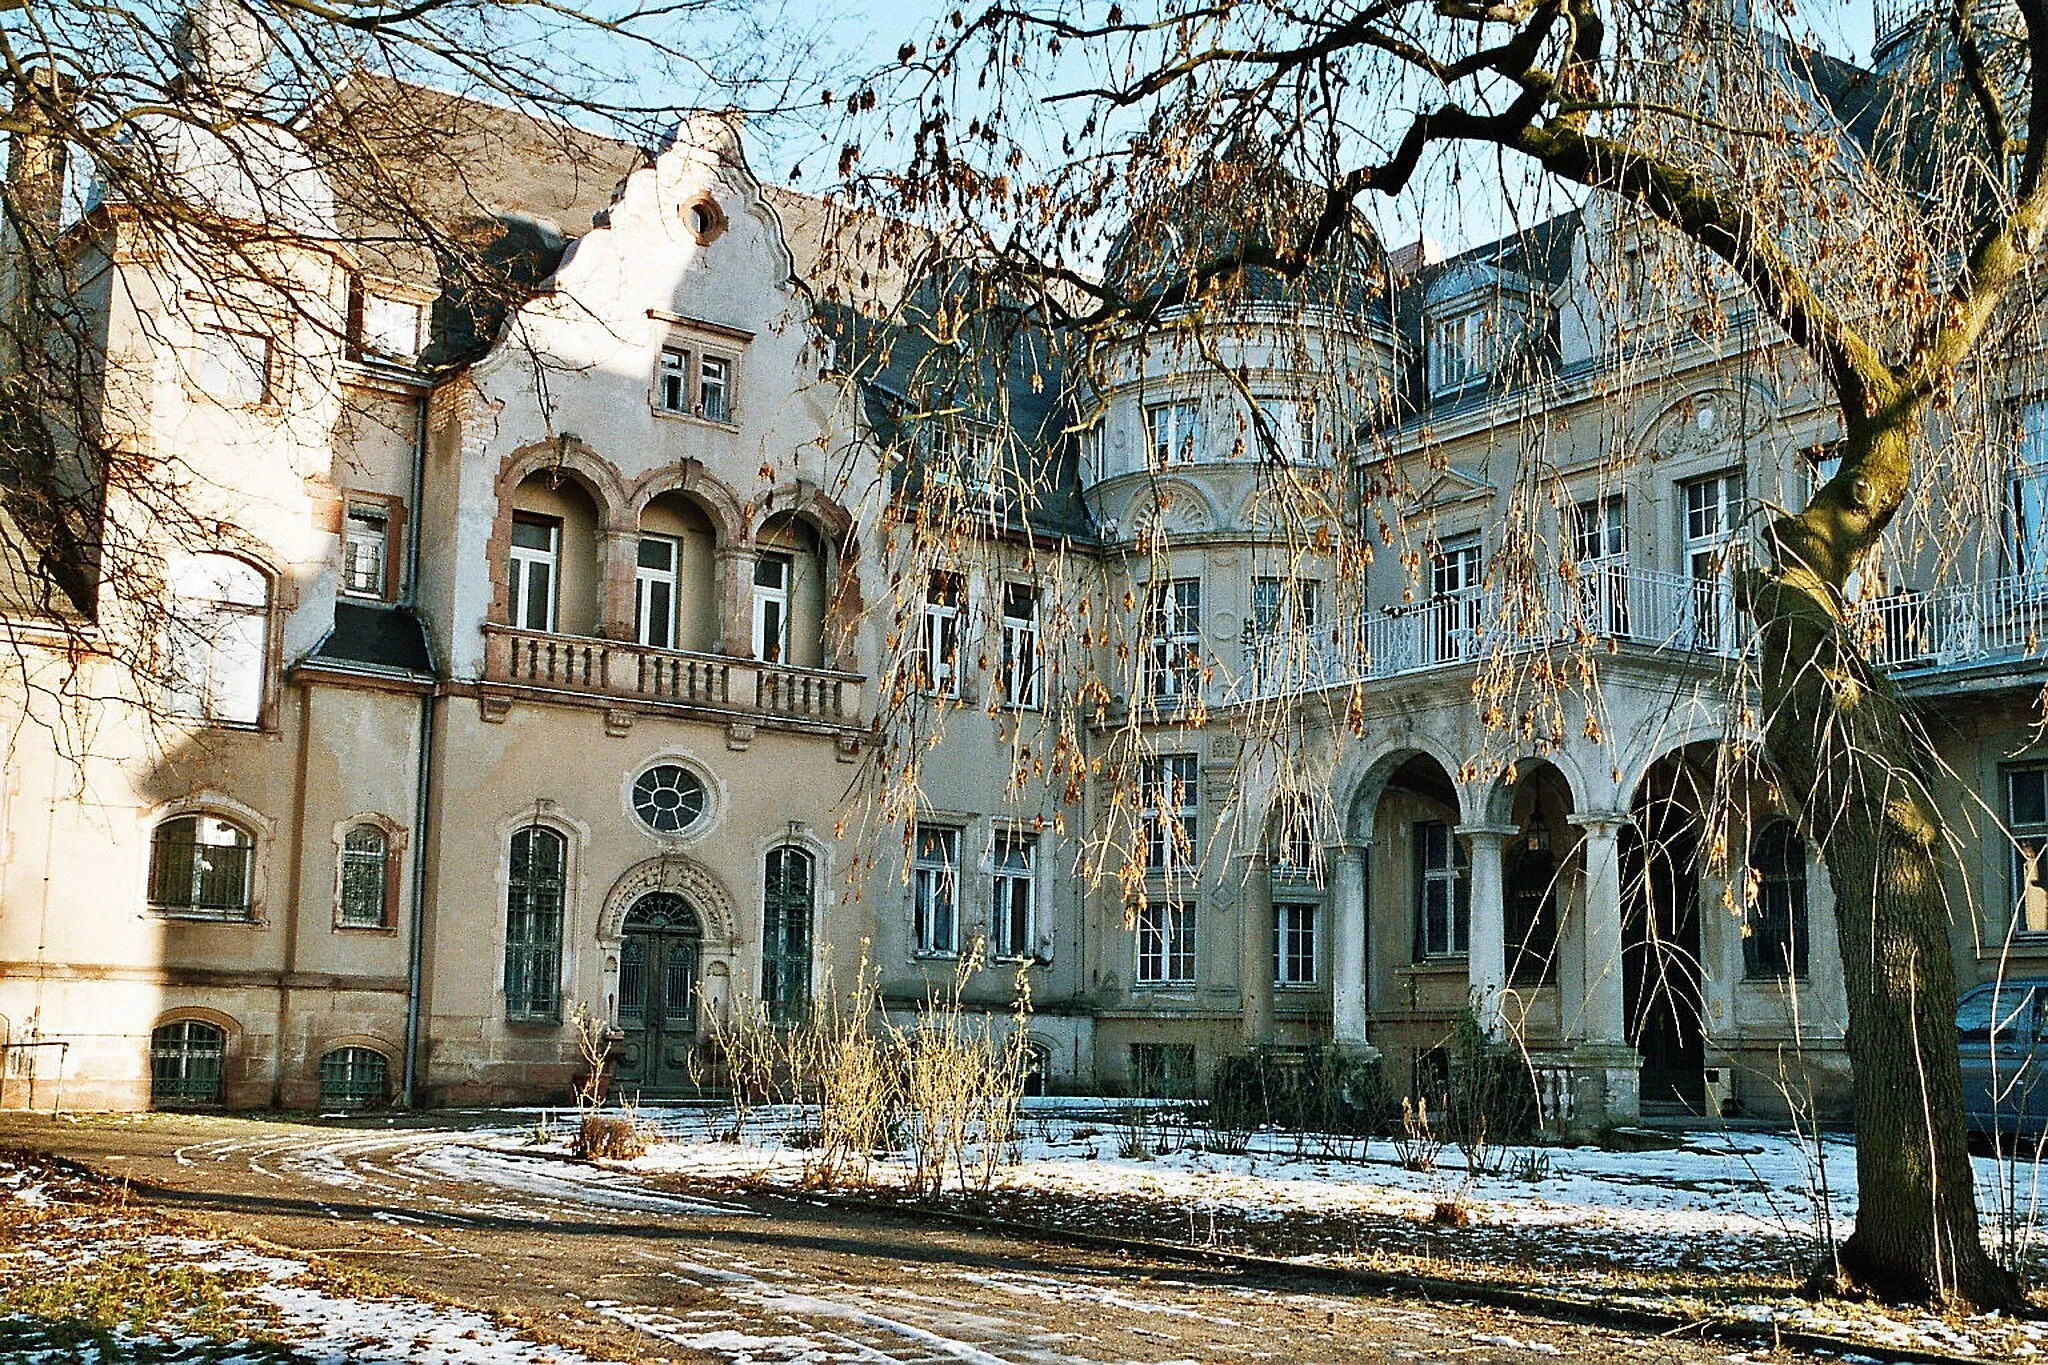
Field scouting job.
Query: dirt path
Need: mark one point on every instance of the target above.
(600, 1259)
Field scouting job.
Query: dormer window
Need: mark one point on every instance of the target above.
(967, 454)
(1457, 350)
(384, 323)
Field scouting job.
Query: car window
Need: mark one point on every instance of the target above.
(2015, 1007)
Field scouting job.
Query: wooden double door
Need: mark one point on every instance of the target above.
(660, 956)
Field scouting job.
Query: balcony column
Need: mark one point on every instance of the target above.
(1347, 945)
(1606, 1070)
(1255, 951)
(618, 556)
(1486, 947)
(734, 577)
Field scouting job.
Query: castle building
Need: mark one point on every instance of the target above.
(581, 658)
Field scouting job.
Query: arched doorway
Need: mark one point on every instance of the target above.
(660, 945)
(1663, 986)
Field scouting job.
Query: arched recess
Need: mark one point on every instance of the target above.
(547, 565)
(799, 521)
(1663, 971)
(792, 574)
(676, 601)
(713, 496)
(1536, 807)
(1359, 808)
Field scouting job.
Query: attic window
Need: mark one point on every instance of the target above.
(705, 219)
(1457, 350)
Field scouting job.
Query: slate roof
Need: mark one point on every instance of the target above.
(383, 639)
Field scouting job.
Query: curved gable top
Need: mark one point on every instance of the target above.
(1462, 282)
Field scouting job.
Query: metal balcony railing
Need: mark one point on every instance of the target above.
(673, 677)
(1910, 632)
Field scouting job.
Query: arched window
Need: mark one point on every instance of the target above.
(786, 906)
(533, 924)
(1775, 947)
(217, 628)
(354, 1078)
(201, 866)
(185, 1063)
(365, 878)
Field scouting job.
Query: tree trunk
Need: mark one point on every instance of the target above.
(1843, 741)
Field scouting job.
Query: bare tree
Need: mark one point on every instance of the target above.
(1888, 225)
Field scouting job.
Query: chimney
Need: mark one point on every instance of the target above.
(38, 158)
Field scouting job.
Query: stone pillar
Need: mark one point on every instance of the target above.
(1486, 955)
(618, 556)
(1255, 945)
(1606, 1068)
(732, 578)
(1347, 944)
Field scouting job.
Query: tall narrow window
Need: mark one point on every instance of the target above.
(1775, 946)
(217, 633)
(185, 1063)
(1712, 507)
(365, 544)
(1175, 430)
(1290, 427)
(714, 389)
(1173, 627)
(1294, 943)
(654, 592)
(1169, 813)
(935, 890)
(2027, 498)
(1020, 644)
(1455, 608)
(1166, 944)
(1530, 874)
(535, 570)
(672, 380)
(939, 642)
(2026, 820)
(201, 867)
(771, 607)
(1599, 529)
(1013, 916)
(786, 908)
(1457, 350)
(365, 878)
(1443, 892)
(533, 924)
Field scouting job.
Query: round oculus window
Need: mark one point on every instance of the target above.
(668, 799)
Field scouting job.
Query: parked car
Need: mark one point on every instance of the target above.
(2002, 1027)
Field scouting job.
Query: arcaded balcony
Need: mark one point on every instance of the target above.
(712, 685)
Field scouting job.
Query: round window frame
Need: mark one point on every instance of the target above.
(711, 794)
(714, 220)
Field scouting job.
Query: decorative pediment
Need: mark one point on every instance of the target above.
(1453, 486)
(672, 872)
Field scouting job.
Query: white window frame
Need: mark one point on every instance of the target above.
(939, 632)
(724, 367)
(1165, 944)
(1161, 779)
(405, 319)
(1296, 939)
(771, 606)
(1173, 433)
(524, 561)
(1173, 626)
(217, 640)
(672, 379)
(2027, 856)
(935, 883)
(650, 584)
(1710, 508)
(1293, 423)
(2026, 498)
(210, 830)
(1456, 355)
(1022, 670)
(355, 583)
(1013, 867)
(1454, 875)
(1277, 597)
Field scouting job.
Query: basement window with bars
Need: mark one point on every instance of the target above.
(354, 1078)
(185, 1059)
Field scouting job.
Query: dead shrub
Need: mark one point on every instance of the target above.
(1451, 1212)
(610, 1137)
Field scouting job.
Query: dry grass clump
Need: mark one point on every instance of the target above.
(611, 1137)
